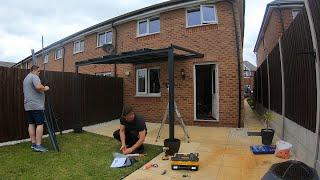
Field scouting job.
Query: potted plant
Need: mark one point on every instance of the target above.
(267, 133)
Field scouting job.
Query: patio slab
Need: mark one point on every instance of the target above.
(223, 152)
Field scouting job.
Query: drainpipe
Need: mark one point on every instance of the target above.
(63, 56)
(115, 46)
(317, 64)
(239, 61)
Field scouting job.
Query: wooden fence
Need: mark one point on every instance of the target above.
(101, 100)
(299, 75)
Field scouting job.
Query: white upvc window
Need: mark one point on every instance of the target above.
(295, 13)
(105, 74)
(148, 26)
(58, 54)
(46, 59)
(201, 15)
(148, 82)
(78, 46)
(104, 38)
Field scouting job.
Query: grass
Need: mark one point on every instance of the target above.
(82, 156)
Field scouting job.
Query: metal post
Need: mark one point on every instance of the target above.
(171, 92)
(283, 89)
(268, 83)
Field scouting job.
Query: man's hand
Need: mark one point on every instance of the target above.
(123, 148)
(127, 151)
(46, 88)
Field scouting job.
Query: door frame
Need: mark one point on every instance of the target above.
(195, 91)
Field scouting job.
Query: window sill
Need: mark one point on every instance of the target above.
(77, 52)
(102, 45)
(203, 120)
(58, 59)
(207, 24)
(147, 95)
(145, 35)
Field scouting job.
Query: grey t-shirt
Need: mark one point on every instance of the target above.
(33, 99)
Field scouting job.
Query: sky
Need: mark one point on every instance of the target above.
(22, 23)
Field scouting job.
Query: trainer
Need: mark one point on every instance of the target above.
(132, 132)
(34, 99)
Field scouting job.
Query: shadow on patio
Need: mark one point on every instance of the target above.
(224, 152)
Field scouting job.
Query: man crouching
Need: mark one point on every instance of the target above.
(132, 132)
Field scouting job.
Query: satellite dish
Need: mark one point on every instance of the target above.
(109, 49)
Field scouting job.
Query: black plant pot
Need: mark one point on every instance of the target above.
(267, 136)
(77, 129)
(173, 145)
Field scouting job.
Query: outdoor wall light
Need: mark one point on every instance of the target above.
(127, 73)
(183, 74)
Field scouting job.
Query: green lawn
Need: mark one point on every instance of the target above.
(82, 156)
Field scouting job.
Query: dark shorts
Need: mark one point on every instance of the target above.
(35, 117)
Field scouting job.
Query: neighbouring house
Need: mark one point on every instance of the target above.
(6, 64)
(248, 77)
(287, 78)
(208, 88)
(278, 16)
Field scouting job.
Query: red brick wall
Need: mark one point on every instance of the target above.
(273, 32)
(216, 42)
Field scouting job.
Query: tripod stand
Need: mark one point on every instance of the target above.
(165, 117)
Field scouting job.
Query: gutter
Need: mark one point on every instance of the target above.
(238, 61)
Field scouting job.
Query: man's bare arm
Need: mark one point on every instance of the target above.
(42, 88)
(122, 135)
(142, 137)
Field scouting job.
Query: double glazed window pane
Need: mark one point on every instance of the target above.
(102, 39)
(208, 14)
(143, 27)
(109, 37)
(154, 25)
(194, 17)
(154, 80)
(142, 81)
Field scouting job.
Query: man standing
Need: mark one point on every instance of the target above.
(132, 132)
(34, 99)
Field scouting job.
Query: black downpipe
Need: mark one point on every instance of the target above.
(115, 46)
(239, 64)
(63, 56)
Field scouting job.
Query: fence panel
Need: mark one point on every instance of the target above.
(101, 100)
(265, 88)
(299, 73)
(275, 80)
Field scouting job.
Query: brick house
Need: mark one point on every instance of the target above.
(248, 75)
(278, 16)
(208, 89)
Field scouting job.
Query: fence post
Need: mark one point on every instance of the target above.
(317, 64)
(268, 82)
(283, 89)
(261, 92)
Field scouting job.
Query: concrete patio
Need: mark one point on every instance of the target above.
(224, 152)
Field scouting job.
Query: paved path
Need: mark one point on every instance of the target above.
(224, 152)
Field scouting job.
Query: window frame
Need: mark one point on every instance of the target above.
(74, 46)
(148, 26)
(56, 53)
(46, 58)
(105, 34)
(202, 22)
(145, 83)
